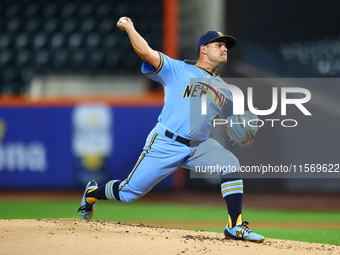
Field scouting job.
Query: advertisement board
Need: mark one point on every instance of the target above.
(63, 147)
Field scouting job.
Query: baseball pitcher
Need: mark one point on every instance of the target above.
(181, 140)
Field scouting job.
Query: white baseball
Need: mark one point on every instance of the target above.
(123, 20)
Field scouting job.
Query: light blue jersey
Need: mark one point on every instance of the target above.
(180, 117)
(181, 113)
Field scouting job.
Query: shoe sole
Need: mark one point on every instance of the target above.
(87, 186)
(248, 240)
(91, 214)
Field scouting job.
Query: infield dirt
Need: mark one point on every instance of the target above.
(73, 236)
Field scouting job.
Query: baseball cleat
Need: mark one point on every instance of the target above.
(242, 232)
(87, 208)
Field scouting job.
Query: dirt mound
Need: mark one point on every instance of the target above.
(73, 236)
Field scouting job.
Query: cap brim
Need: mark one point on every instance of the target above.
(229, 40)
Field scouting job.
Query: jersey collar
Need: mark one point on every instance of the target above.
(211, 74)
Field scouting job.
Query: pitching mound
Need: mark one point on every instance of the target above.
(73, 236)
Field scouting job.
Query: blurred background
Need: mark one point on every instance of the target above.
(74, 105)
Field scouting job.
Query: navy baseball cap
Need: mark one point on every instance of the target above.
(215, 36)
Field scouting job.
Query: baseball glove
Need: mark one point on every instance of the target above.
(242, 128)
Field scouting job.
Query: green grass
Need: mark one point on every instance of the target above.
(314, 235)
(146, 211)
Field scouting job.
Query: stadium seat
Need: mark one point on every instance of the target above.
(70, 36)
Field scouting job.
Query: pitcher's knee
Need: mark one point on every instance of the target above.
(128, 199)
(129, 195)
(231, 166)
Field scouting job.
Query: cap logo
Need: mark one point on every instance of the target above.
(219, 33)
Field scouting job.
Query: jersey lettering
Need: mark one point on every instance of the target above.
(196, 87)
(198, 90)
(187, 91)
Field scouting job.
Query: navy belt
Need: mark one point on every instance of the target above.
(178, 138)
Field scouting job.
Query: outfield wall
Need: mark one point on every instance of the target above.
(62, 144)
